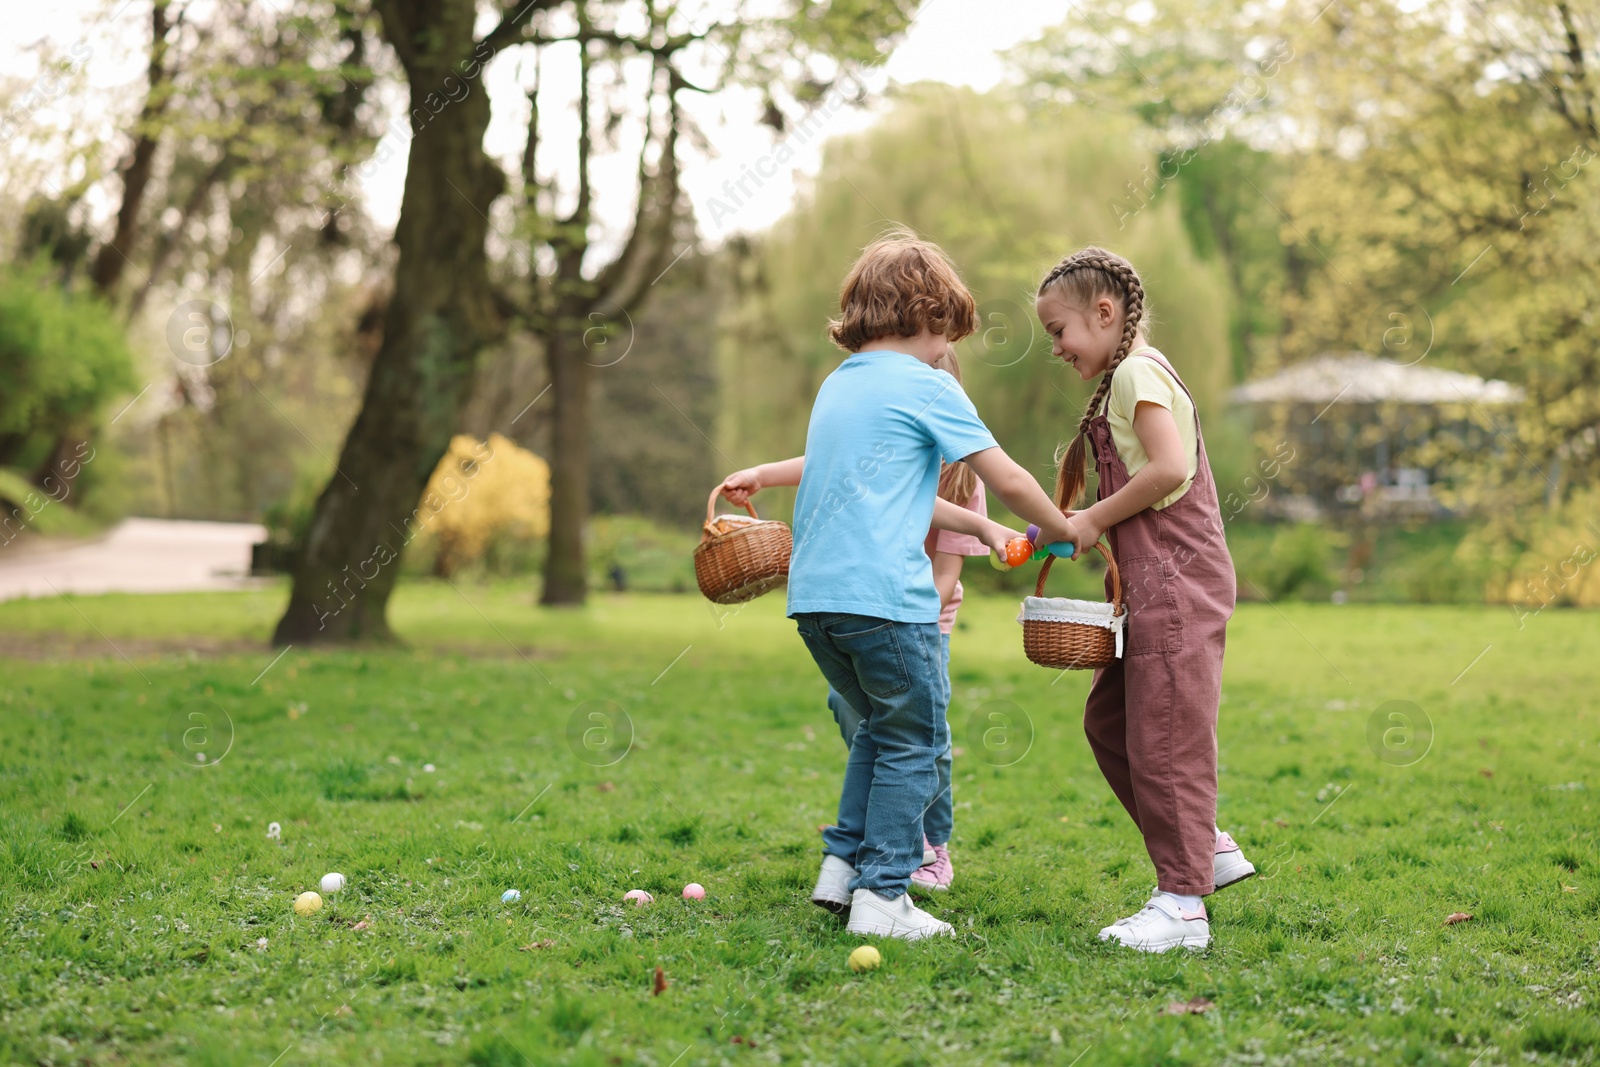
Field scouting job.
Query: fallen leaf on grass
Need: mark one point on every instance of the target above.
(1456, 917)
(546, 943)
(740, 1039)
(1192, 1006)
(1280, 822)
(364, 924)
(1486, 772)
(1569, 889)
(661, 983)
(606, 787)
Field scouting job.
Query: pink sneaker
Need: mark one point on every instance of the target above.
(936, 875)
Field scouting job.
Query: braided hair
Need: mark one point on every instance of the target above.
(1081, 279)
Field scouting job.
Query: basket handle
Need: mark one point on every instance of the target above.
(1111, 565)
(711, 505)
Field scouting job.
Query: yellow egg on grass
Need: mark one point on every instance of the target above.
(306, 903)
(865, 958)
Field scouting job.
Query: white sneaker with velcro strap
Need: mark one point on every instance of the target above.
(1161, 925)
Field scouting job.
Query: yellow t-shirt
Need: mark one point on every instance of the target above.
(1140, 378)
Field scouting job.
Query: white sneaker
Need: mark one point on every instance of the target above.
(871, 914)
(1160, 925)
(1231, 865)
(833, 885)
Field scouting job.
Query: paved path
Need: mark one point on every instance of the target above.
(137, 556)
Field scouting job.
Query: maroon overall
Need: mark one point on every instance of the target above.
(1151, 716)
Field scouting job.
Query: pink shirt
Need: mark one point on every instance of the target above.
(957, 544)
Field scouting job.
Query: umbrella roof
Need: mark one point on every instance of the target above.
(1357, 378)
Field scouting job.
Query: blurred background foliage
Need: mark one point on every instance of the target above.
(1415, 183)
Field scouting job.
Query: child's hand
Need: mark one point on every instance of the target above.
(738, 486)
(996, 536)
(1083, 532)
(1057, 530)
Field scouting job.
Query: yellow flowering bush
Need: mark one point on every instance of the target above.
(483, 492)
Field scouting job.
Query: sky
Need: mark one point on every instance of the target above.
(954, 41)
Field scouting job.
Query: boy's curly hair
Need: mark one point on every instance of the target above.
(899, 285)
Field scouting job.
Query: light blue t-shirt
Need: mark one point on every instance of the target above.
(881, 424)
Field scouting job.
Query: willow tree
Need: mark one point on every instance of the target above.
(1022, 186)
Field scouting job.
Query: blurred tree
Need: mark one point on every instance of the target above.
(1447, 178)
(1429, 174)
(62, 355)
(652, 411)
(438, 320)
(634, 61)
(1007, 188)
(43, 229)
(135, 173)
(647, 456)
(240, 145)
(1196, 78)
(442, 311)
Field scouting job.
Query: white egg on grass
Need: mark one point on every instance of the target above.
(332, 882)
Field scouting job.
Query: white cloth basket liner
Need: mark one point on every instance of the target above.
(1064, 609)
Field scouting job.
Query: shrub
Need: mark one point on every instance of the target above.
(485, 498)
(1546, 560)
(1297, 563)
(62, 355)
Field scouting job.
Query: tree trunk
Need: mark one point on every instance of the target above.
(439, 319)
(112, 258)
(565, 568)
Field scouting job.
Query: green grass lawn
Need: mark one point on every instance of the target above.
(148, 916)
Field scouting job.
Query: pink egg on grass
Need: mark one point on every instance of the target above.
(694, 891)
(638, 897)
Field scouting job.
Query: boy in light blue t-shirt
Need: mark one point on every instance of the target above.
(861, 587)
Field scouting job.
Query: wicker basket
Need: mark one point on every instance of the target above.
(740, 558)
(1065, 634)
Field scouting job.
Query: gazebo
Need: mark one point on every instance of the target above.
(1371, 434)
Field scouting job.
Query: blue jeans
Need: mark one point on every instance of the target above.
(892, 675)
(938, 822)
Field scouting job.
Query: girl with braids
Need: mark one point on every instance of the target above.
(947, 550)
(1151, 716)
